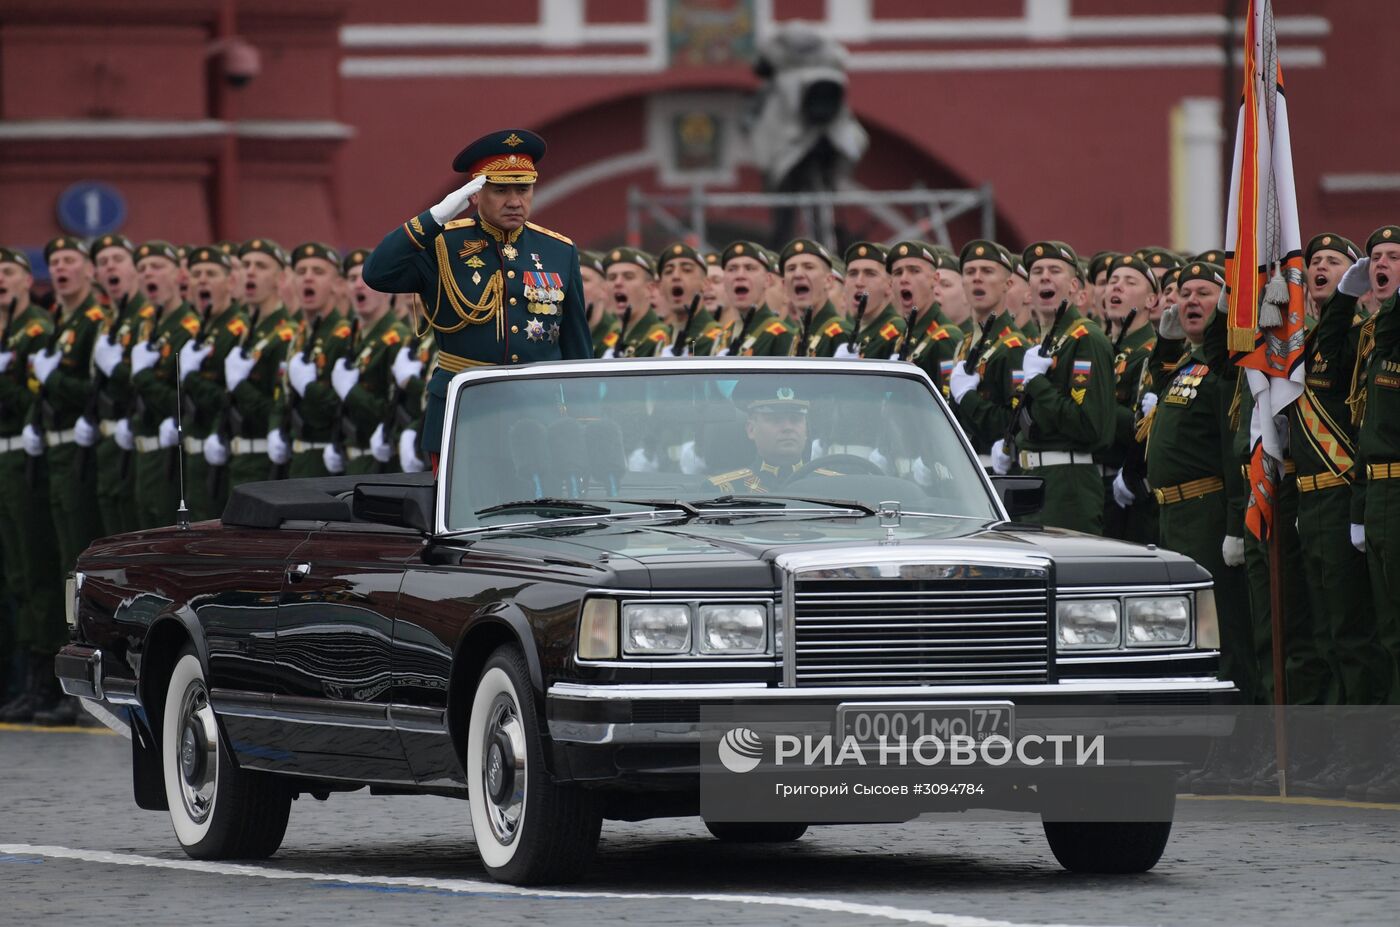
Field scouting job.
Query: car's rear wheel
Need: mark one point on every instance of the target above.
(756, 831)
(218, 810)
(528, 829)
(1108, 846)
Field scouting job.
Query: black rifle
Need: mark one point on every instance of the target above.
(974, 353)
(349, 433)
(689, 317)
(229, 423)
(806, 332)
(1123, 332)
(622, 331)
(291, 424)
(861, 302)
(739, 335)
(908, 334)
(1018, 397)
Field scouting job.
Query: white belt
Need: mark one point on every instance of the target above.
(55, 438)
(241, 446)
(301, 447)
(145, 444)
(194, 446)
(108, 427)
(1031, 459)
(11, 444)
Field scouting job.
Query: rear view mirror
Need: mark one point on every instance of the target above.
(1020, 495)
(396, 504)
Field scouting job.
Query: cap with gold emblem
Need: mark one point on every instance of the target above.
(12, 256)
(65, 243)
(593, 261)
(755, 394)
(1200, 270)
(982, 249)
(114, 240)
(315, 249)
(712, 258)
(507, 156)
(1214, 256)
(913, 248)
(354, 258)
(626, 255)
(265, 246)
(1133, 262)
(746, 249)
(1331, 241)
(803, 246)
(1101, 262)
(1385, 235)
(674, 253)
(210, 254)
(1051, 250)
(867, 251)
(1160, 257)
(158, 248)
(1170, 278)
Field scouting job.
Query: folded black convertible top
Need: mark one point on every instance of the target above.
(327, 498)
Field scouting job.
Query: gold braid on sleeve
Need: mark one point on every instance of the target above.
(1366, 342)
(468, 312)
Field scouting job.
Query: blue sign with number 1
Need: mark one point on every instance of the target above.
(90, 208)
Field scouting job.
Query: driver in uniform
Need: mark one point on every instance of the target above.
(777, 425)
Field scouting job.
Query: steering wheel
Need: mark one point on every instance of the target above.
(840, 461)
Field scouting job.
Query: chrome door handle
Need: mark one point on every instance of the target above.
(298, 571)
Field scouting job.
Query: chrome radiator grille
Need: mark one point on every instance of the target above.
(927, 624)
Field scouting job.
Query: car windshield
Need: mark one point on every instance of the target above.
(537, 448)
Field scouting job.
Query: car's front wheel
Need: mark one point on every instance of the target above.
(756, 831)
(528, 829)
(1108, 846)
(219, 811)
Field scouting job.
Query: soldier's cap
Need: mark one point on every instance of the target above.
(1331, 241)
(355, 258)
(227, 247)
(753, 394)
(1020, 267)
(913, 248)
(1201, 270)
(712, 259)
(1160, 257)
(1053, 250)
(1101, 261)
(1213, 256)
(315, 249)
(1133, 262)
(674, 253)
(114, 240)
(158, 248)
(593, 261)
(866, 251)
(982, 249)
(184, 251)
(12, 256)
(507, 156)
(626, 255)
(1170, 278)
(746, 249)
(65, 243)
(802, 246)
(210, 254)
(838, 268)
(1385, 235)
(265, 246)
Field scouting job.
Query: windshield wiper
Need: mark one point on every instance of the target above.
(567, 505)
(771, 501)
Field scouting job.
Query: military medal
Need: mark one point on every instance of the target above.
(509, 251)
(544, 291)
(476, 277)
(534, 330)
(554, 333)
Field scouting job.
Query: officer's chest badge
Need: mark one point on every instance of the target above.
(554, 333)
(509, 251)
(545, 291)
(469, 250)
(536, 259)
(475, 262)
(534, 330)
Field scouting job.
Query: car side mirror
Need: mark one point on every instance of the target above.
(396, 504)
(1020, 495)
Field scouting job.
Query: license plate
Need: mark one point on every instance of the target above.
(868, 722)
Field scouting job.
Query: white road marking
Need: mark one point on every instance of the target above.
(473, 887)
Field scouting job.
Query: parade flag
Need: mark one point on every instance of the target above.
(1264, 261)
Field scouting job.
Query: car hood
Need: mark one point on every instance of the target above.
(739, 553)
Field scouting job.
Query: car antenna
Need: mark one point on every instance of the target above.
(182, 514)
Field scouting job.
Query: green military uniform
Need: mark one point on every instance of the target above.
(27, 543)
(827, 332)
(370, 402)
(761, 333)
(881, 336)
(247, 416)
(763, 477)
(1131, 351)
(63, 397)
(116, 478)
(1190, 467)
(700, 328)
(608, 328)
(493, 296)
(984, 412)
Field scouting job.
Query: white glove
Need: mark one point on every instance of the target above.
(1035, 363)
(143, 357)
(845, 349)
(169, 433)
(1357, 279)
(380, 448)
(406, 366)
(1232, 551)
(409, 460)
(333, 461)
(192, 358)
(215, 451)
(1121, 493)
(1148, 403)
(33, 441)
(610, 352)
(960, 382)
(1358, 534)
(5, 358)
(921, 472)
(1001, 461)
(301, 373)
(894, 356)
(456, 201)
(44, 363)
(343, 378)
(639, 461)
(107, 354)
(123, 436)
(277, 450)
(84, 433)
(237, 366)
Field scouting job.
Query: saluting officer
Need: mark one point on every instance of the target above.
(497, 288)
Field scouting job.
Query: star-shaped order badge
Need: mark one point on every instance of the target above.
(554, 333)
(534, 330)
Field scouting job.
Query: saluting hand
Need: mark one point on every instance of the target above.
(1357, 280)
(456, 201)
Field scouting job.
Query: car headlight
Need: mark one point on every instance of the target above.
(656, 628)
(733, 628)
(1160, 621)
(1089, 624)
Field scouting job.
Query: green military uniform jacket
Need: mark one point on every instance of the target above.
(881, 336)
(936, 342)
(713, 338)
(249, 410)
(647, 336)
(115, 395)
(155, 386)
(26, 332)
(985, 411)
(492, 296)
(64, 396)
(828, 331)
(1376, 399)
(367, 405)
(606, 332)
(1128, 365)
(1322, 437)
(315, 416)
(204, 389)
(763, 477)
(767, 335)
(1071, 407)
